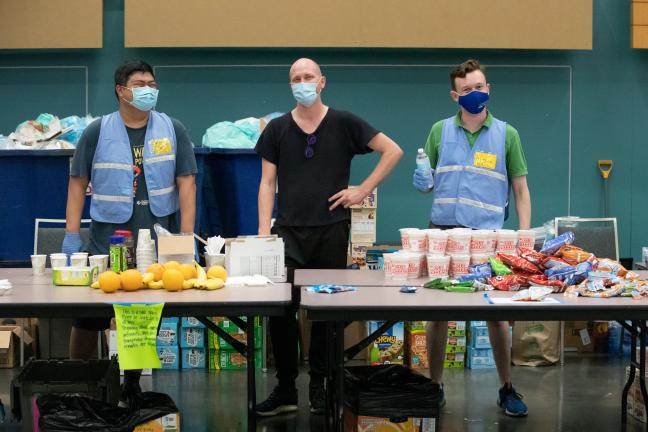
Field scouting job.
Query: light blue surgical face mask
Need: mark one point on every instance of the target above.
(144, 98)
(305, 93)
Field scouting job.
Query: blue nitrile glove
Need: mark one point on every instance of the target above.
(71, 243)
(422, 181)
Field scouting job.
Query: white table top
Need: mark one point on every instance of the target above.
(37, 296)
(351, 277)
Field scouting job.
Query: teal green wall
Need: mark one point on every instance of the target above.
(594, 102)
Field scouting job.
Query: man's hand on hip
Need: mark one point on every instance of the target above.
(347, 198)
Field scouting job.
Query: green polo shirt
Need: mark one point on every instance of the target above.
(516, 165)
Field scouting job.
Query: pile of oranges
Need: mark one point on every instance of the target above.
(172, 276)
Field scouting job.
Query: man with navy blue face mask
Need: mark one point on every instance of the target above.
(142, 168)
(308, 153)
(475, 157)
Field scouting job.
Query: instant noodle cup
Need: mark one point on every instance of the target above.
(481, 242)
(459, 241)
(507, 241)
(459, 265)
(415, 261)
(387, 262)
(526, 239)
(405, 241)
(437, 241)
(480, 258)
(399, 266)
(438, 266)
(417, 240)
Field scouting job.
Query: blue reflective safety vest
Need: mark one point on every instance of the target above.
(112, 169)
(471, 185)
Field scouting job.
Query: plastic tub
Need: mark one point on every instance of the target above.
(482, 242)
(526, 239)
(437, 241)
(417, 240)
(459, 241)
(438, 266)
(459, 265)
(405, 241)
(507, 241)
(399, 266)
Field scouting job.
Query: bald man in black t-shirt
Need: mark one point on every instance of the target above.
(308, 153)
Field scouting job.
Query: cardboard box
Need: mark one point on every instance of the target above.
(478, 324)
(169, 357)
(375, 256)
(231, 360)
(448, 364)
(230, 327)
(577, 337)
(363, 225)
(480, 358)
(187, 322)
(456, 344)
(456, 328)
(193, 358)
(357, 423)
(247, 256)
(176, 248)
(10, 339)
(455, 357)
(168, 334)
(636, 406)
(389, 348)
(192, 338)
(478, 337)
(216, 342)
(167, 423)
(416, 348)
(359, 255)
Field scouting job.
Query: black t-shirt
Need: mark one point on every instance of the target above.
(306, 184)
(142, 217)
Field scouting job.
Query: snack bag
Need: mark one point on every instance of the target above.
(505, 283)
(606, 264)
(498, 267)
(574, 255)
(551, 246)
(532, 256)
(519, 263)
(552, 262)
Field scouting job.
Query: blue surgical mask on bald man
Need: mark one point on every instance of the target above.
(305, 93)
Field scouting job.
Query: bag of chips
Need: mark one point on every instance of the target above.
(532, 256)
(551, 246)
(608, 265)
(574, 255)
(498, 267)
(505, 283)
(519, 263)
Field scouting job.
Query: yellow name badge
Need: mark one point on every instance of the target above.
(161, 146)
(485, 160)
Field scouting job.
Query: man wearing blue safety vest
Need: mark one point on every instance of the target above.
(476, 158)
(142, 168)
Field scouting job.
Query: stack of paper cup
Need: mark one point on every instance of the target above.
(99, 261)
(38, 264)
(507, 241)
(459, 265)
(417, 240)
(437, 241)
(79, 259)
(144, 251)
(399, 266)
(58, 260)
(526, 239)
(438, 266)
(459, 241)
(405, 240)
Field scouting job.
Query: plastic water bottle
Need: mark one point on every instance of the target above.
(423, 163)
(614, 337)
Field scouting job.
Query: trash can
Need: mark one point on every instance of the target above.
(96, 378)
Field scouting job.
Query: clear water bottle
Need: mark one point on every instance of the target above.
(614, 337)
(423, 164)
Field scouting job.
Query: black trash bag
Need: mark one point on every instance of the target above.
(390, 391)
(74, 412)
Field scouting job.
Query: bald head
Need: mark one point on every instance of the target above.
(304, 67)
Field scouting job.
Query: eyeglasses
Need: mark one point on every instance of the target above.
(311, 139)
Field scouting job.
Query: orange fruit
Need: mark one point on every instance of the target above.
(172, 280)
(175, 265)
(109, 281)
(157, 270)
(217, 272)
(188, 271)
(131, 280)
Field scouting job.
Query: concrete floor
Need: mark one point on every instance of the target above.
(583, 395)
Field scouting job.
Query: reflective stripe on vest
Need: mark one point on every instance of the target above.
(465, 194)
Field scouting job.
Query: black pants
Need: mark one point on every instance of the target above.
(322, 247)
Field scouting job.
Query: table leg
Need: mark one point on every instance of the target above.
(251, 376)
(641, 325)
(631, 375)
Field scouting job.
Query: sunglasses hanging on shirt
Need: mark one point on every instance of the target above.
(309, 151)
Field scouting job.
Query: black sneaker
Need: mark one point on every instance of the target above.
(278, 402)
(128, 397)
(317, 398)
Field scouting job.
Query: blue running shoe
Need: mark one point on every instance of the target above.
(512, 403)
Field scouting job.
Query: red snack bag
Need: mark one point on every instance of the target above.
(505, 283)
(532, 256)
(523, 277)
(518, 263)
(554, 262)
(542, 280)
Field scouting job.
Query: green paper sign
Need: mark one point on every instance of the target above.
(137, 326)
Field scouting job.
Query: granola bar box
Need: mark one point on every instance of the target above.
(231, 360)
(388, 348)
(416, 347)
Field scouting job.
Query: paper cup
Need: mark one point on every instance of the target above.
(438, 266)
(405, 241)
(399, 266)
(417, 240)
(437, 241)
(480, 258)
(58, 260)
(387, 262)
(459, 241)
(79, 259)
(482, 242)
(526, 239)
(38, 264)
(459, 265)
(99, 261)
(415, 268)
(214, 259)
(507, 241)
(143, 238)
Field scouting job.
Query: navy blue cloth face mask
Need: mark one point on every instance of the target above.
(474, 102)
